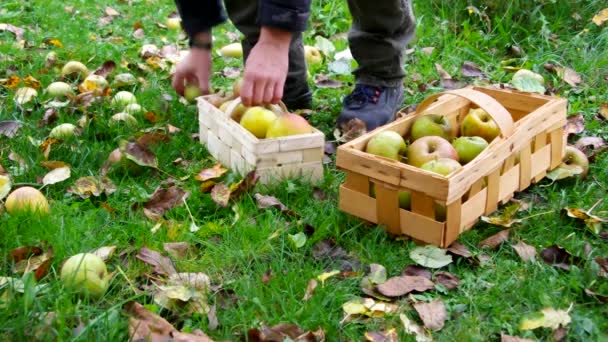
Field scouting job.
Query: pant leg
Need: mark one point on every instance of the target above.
(296, 93)
(379, 34)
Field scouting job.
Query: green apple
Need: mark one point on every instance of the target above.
(575, 158)
(191, 92)
(26, 200)
(430, 148)
(85, 273)
(123, 99)
(431, 124)
(257, 120)
(469, 147)
(58, 90)
(388, 144)
(405, 197)
(174, 23)
(63, 131)
(74, 69)
(442, 166)
(479, 123)
(312, 55)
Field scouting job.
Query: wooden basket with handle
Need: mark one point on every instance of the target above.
(531, 143)
(273, 159)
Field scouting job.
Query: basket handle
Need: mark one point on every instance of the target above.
(236, 102)
(501, 116)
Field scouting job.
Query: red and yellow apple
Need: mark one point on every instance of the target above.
(257, 120)
(26, 200)
(442, 166)
(479, 123)
(430, 148)
(288, 124)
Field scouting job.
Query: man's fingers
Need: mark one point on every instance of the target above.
(259, 88)
(246, 92)
(277, 93)
(178, 83)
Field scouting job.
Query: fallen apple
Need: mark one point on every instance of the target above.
(5, 186)
(122, 99)
(120, 162)
(288, 124)
(133, 109)
(124, 80)
(191, 92)
(26, 200)
(469, 147)
(74, 69)
(127, 118)
(86, 274)
(174, 23)
(312, 55)
(63, 131)
(479, 123)
(257, 120)
(430, 148)
(95, 83)
(234, 50)
(25, 95)
(575, 158)
(387, 144)
(442, 166)
(58, 90)
(431, 125)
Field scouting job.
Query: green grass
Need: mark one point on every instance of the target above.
(236, 251)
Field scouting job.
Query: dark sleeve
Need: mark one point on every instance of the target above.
(289, 15)
(198, 16)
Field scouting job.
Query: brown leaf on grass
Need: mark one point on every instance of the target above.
(452, 84)
(560, 334)
(399, 286)
(162, 264)
(448, 280)
(105, 69)
(17, 159)
(495, 240)
(163, 199)
(88, 186)
(139, 33)
(318, 194)
(505, 219)
(267, 276)
(211, 173)
(459, 249)
(567, 74)
(56, 175)
(244, 185)
(508, 338)
(178, 250)
(111, 12)
(17, 31)
(599, 297)
(593, 222)
(603, 262)
(432, 314)
(12, 82)
(31, 82)
(442, 73)
(350, 130)
(264, 201)
(559, 257)
(213, 323)
(574, 125)
(39, 264)
(412, 328)
(470, 69)
(419, 271)
(104, 252)
(53, 164)
(525, 251)
(327, 249)
(24, 252)
(603, 112)
(172, 129)
(590, 143)
(382, 336)
(220, 194)
(323, 81)
(310, 289)
(280, 332)
(153, 138)
(9, 128)
(140, 154)
(50, 117)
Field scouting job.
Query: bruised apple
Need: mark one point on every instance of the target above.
(430, 148)
(26, 200)
(86, 274)
(288, 124)
(257, 120)
(387, 144)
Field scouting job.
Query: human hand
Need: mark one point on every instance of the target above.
(195, 69)
(266, 68)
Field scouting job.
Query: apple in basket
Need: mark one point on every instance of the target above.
(430, 148)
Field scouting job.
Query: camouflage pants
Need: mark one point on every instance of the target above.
(379, 33)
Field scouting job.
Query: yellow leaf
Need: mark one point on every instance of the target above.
(11, 82)
(54, 42)
(547, 318)
(5, 186)
(354, 308)
(323, 277)
(600, 18)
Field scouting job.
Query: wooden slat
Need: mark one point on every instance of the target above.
(421, 227)
(508, 164)
(357, 204)
(452, 225)
(473, 209)
(387, 208)
(300, 142)
(357, 182)
(509, 182)
(557, 147)
(493, 191)
(313, 154)
(541, 161)
(475, 188)
(525, 167)
(423, 204)
(279, 158)
(526, 102)
(365, 164)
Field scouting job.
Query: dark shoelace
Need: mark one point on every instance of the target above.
(364, 94)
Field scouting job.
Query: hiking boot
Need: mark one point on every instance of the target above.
(374, 105)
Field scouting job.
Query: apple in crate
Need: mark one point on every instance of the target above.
(257, 120)
(469, 147)
(431, 125)
(387, 144)
(444, 167)
(430, 148)
(405, 197)
(479, 123)
(288, 124)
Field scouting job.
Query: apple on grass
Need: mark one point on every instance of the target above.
(479, 123)
(387, 144)
(575, 159)
(469, 147)
(26, 200)
(431, 125)
(430, 148)
(257, 120)
(312, 55)
(86, 274)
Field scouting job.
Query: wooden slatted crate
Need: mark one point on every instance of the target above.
(531, 143)
(273, 159)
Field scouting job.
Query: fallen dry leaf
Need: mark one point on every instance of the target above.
(547, 318)
(281, 332)
(604, 111)
(593, 222)
(220, 193)
(413, 270)
(560, 334)
(17, 31)
(178, 250)
(184, 293)
(599, 297)
(50, 117)
(140, 154)
(559, 257)
(574, 125)
(442, 73)
(459, 249)
(567, 74)
(350, 130)
(105, 69)
(601, 17)
(153, 138)
(163, 199)
(508, 338)
(56, 175)
(402, 285)
(9, 128)
(525, 251)
(603, 262)
(432, 314)
(105, 252)
(448, 280)
(495, 240)
(323, 81)
(39, 264)
(24, 252)
(382, 336)
(244, 185)
(412, 328)
(264, 201)
(88, 186)
(310, 289)
(211, 173)
(470, 69)
(594, 143)
(430, 256)
(162, 264)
